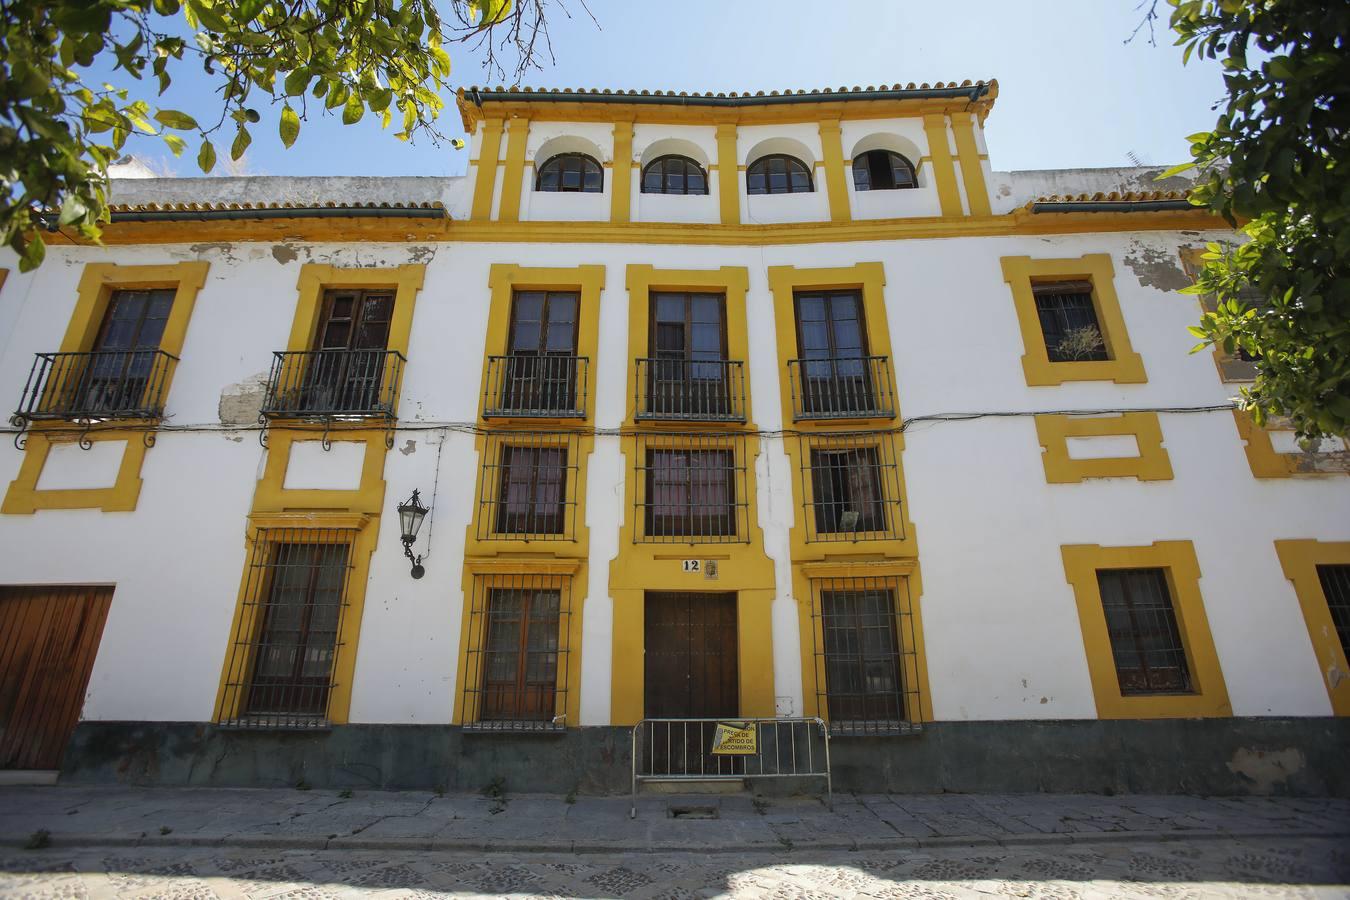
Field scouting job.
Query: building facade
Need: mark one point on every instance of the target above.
(722, 406)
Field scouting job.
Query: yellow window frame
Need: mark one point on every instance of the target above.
(1178, 560)
(1299, 560)
(1266, 462)
(1054, 431)
(1022, 273)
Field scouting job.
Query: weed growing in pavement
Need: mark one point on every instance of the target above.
(39, 839)
(165, 829)
(345, 795)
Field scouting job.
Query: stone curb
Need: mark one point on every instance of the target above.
(290, 842)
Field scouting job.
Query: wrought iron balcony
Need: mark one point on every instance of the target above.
(101, 384)
(855, 387)
(331, 384)
(690, 390)
(542, 387)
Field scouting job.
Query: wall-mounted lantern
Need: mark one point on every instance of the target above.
(411, 512)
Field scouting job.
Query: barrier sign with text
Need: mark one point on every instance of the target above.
(735, 739)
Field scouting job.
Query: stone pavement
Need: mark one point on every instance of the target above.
(145, 818)
(1221, 867)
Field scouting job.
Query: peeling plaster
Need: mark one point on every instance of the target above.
(284, 253)
(240, 403)
(409, 448)
(1267, 768)
(224, 248)
(421, 254)
(1156, 268)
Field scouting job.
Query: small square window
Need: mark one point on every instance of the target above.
(1069, 322)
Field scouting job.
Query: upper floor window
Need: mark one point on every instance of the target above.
(1069, 321)
(778, 173)
(674, 175)
(882, 170)
(571, 173)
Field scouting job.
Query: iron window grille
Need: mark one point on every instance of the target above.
(674, 175)
(333, 384)
(695, 390)
(1141, 622)
(528, 488)
(1336, 588)
(691, 489)
(853, 387)
(515, 676)
(778, 173)
(526, 385)
(883, 170)
(102, 384)
(850, 487)
(571, 173)
(866, 664)
(1069, 322)
(280, 670)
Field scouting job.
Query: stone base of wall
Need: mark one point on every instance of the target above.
(1304, 756)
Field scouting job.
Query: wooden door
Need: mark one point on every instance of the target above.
(48, 639)
(690, 671)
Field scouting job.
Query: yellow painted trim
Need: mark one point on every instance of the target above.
(23, 497)
(245, 620)
(1081, 563)
(506, 278)
(271, 495)
(731, 281)
(513, 171)
(944, 172)
(621, 195)
(405, 280)
(1020, 222)
(810, 626)
(728, 175)
(1152, 463)
(1124, 366)
(972, 172)
(835, 184)
(485, 182)
(98, 282)
(1265, 462)
(1299, 560)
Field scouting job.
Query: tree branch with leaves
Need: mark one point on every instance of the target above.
(59, 132)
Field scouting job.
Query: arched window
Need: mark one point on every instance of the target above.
(571, 173)
(883, 170)
(778, 173)
(674, 175)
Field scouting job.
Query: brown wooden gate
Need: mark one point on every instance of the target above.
(48, 639)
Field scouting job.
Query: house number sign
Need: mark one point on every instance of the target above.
(707, 566)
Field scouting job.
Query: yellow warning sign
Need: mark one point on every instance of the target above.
(735, 739)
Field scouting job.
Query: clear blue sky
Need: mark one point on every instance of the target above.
(1072, 94)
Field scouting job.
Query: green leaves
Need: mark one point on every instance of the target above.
(290, 126)
(172, 118)
(241, 141)
(206, 157)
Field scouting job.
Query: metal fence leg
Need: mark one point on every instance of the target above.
(632, 813)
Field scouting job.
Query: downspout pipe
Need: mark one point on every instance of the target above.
(1114, 206)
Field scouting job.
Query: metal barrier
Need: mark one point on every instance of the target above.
(674, 750)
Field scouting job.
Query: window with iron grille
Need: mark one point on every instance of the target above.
(1141, 622)
(516, 662)
(1336, 588)
(850, 487)
(866, 663)
(124, 358)
(1069, 321)
(529, 486)
(281, 666)
(692, 489)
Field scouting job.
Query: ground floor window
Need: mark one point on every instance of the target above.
(1142, 624)
(1335, 582)
(281, 666)
(865, 654)
(516, 661)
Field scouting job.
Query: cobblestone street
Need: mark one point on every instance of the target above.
(1202, 868)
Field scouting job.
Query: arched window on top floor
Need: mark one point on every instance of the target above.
(674, 175)
(778, 173)
(571, 173)
(883, 170)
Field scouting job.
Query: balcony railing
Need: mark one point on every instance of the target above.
(545, 387)
(857, 387)
(102, 384)
(326, 384)
(690, 390)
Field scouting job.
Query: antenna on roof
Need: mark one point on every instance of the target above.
(1134, 158)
